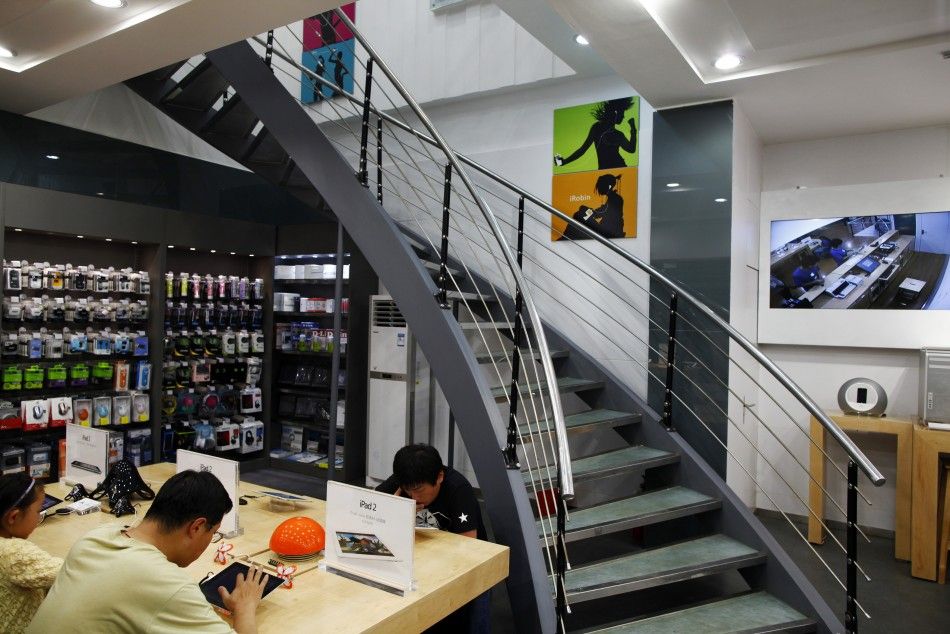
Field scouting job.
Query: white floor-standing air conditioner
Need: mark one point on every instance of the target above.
(391, 382)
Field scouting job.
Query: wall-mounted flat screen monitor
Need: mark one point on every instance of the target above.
(886, 257)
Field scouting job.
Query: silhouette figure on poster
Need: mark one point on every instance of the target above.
(328, 32)
(605, 137)
(339, 69)
(317, 86)
(607, 220)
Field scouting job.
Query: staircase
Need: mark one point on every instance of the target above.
(648, 512)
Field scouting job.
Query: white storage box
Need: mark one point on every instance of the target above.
(329, 271)
(313, 271)
(284, 272)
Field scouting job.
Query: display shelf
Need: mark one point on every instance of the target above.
(308, 391)
(306, 423)
(322, 354)
(315, 282)
(282, 314)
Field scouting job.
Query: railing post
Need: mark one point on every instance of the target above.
(561, 591)
(269, 49)
(379, 160)
(670, 357)
(444, 252)
(511, 448)
(851, 608)
(363, 174)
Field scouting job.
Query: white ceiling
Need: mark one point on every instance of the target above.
(67, 48)
(811, 68)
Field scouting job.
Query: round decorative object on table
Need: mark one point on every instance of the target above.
(863, 397)
(297, 538)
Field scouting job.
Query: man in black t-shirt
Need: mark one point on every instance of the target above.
(446, 500)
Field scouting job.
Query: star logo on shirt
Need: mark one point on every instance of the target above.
(463, 518)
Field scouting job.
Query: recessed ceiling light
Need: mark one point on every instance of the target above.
(100, 193)
(17, 229)
(232, 252)
(80, 237)
(110, 4)
(53, 157)
(5, 52)
(191, 248)
(720, 200)
(251, 255)
(134, 242)
(108, 239)
(580, 39)
(171, 246)
(672, 184)
(728, 61)
(213, 251)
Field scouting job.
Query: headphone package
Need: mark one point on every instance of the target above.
(252, 435)
(228, 436)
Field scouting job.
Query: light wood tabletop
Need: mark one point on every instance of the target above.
(929, 444)
(450, 570)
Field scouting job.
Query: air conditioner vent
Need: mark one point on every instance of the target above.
(387, 315)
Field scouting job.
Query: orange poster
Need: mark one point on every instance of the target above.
(604, 200)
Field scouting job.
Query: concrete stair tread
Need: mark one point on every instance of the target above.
(755, 612)
(565, 384)
(486, 325)
(660, 566)
(471, 297)
(608, 463)
(590, 418)
(648, 508)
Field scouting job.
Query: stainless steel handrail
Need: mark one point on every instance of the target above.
(564, 462)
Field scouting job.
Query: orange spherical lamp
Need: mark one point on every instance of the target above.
(298, 537)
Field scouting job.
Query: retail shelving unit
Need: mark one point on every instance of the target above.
(319, 405)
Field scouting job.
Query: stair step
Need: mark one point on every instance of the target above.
(267, 151)
(233, 119)
(755, 612)
(565, 385)
(642, 510)
(608, 463)
(471, 297)
(486, 325)
(590, 418)
(490, 357)
(199, 89)
(660, 566)
(434, 266)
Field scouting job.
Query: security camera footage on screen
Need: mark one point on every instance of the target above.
(892, 262)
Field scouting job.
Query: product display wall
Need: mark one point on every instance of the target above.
(213, 357)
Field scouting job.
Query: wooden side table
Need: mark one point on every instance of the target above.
(903, 429)
(928, 445)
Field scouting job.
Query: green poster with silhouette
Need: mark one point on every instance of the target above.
(597, 136)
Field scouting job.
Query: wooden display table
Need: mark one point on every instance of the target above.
(903, 429)
(450, 570)
(928, 445)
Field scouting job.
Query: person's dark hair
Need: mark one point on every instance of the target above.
(606, 182)
(185, 497)
(417, 464)
(13, 486)
(809, 259)
(835, 243)
(605, 110)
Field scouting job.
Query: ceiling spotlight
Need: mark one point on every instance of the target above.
(672, 184)
(110, 4)
(17, 229)
(171, 246)
(214, 251)
(232, 252)
(80, 237)
(108, 239)
(5, 52)
(580, 39)
(250, 255)
(100, 193)
(720, 200)
(191, 248)
(134, 242)
(53, 157)
(728, 61)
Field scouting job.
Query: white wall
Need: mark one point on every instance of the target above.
(895, 166)
(743, 398)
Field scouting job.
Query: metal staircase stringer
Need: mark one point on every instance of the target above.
(438, 334)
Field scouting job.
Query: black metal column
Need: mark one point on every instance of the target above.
(363, 174)
(851, 608)
(670, 358)
(379, 161)
(444, 251)
(511, 446)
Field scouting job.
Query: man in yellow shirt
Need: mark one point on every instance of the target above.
(133, 580)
